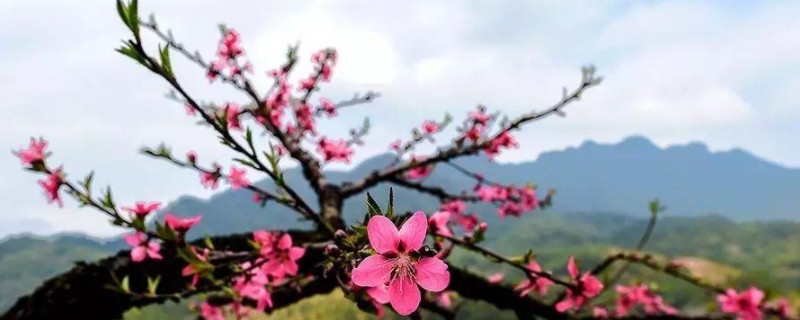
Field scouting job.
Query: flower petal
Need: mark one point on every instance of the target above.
(413, 231)
(374, 271)
(380, 294)
(383, 235)
(432, 274)
(572, 267)
(404, 295)
(138, 254)
(133, 239)
(296, 253)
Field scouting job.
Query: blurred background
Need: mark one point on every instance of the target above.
(699, 107)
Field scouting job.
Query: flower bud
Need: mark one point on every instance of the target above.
(332, 250)
(339, 235)
(191, 156)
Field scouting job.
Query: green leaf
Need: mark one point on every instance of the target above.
(126, 284)
(133, 17)
(208, 242)
(123, 12)
(372, 207)
(152, 284)
(390, 206)
(165, 61)
(108, 199)
(87, 182)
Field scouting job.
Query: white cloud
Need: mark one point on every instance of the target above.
(675, 71)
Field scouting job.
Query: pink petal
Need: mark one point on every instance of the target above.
(296, 253)
(374, 271)
(572, 267)
(432, 274)
(285, 242)
(404, 295)
(413, 231)
(133, 239)
(564, 305)
(379, 293)
(138, 254)
(383, 235)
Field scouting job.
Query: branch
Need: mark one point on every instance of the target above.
(455, 151)
(437, 192)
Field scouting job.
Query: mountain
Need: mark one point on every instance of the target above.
(620, 178)
(609, 183)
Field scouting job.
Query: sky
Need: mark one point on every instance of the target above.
(724, 73)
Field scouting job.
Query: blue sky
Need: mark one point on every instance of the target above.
(724, 73)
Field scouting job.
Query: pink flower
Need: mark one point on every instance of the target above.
(210, 180)
(328, 107)
(504, 140)
(34, 153)
(237, 178)
(474, 133)
(51, 184)
(215, 69)
(455, 206)
(443, 299)
(334, 150)
(281, 255)
(305, 118)
(397, 262)
(308, 84)
(253, 285)
(630, 297)
(600, 312)
(745, 305)
(232, 111)
(142, 248)
(496, 278)
(419, 171)
(229, 46)
(438, 223)
(395, 145)
(586, 286)
(189, 269)
(430, 127)
(528, 199)
(190, 111)
(781, 307)
(181, 225)
(479, 117)
(533, 282)
(209, 312)
(142, 209)
(492, 193)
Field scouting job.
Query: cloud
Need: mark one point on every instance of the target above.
(675, 71)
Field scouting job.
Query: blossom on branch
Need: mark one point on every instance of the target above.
(181, 225)
(745, 305)
(51, 185)
(334, 150)
(237, 178)
(397, 262)
(142, 209)
(586, 285)
(533, 282)
(35, 152)
(142, 248)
